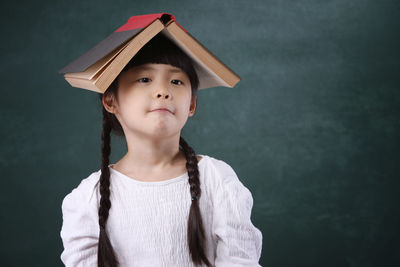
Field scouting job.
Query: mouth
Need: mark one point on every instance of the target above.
(162, 110)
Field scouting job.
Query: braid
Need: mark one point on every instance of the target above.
(196, 238)
(105, 254)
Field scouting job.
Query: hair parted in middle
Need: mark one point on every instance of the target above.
(163, 51)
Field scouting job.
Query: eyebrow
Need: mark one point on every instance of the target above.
(151, 68)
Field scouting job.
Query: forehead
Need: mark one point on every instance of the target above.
(157, 67)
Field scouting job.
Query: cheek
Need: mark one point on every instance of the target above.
(133, 105)
(185, 106)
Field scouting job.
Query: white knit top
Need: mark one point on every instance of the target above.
(147, 223)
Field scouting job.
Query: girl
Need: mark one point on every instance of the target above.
(160, 204)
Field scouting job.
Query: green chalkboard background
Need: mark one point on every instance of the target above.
(312, 129)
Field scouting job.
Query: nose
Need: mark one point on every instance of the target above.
(162, 91)
(163, 95)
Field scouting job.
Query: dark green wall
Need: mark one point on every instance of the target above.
(312, 129)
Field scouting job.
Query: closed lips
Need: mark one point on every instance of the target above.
(162, 109)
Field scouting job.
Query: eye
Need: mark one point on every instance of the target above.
(179, 82)
(144, 79)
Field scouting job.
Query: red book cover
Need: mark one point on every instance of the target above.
(142, 21)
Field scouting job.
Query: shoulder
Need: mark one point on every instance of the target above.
(85, 191)
(219, 166)
(225, 185)
(217, 171)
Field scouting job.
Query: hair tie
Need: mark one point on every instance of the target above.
(194, 198)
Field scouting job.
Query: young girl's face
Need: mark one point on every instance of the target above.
(145, 89)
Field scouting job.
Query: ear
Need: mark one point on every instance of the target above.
(193, 106)
(109, 103)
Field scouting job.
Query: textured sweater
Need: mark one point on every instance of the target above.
(147, 223)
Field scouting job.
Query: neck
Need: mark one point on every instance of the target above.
(148, 154)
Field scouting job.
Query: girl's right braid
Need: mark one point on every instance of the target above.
(105, 254)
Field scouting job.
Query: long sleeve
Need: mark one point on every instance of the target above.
(239, 242)
(79, 231)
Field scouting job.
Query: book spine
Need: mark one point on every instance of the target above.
(142, 21)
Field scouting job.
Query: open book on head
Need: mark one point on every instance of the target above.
(97, 68)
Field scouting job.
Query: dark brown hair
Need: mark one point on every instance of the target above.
(159, 50)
